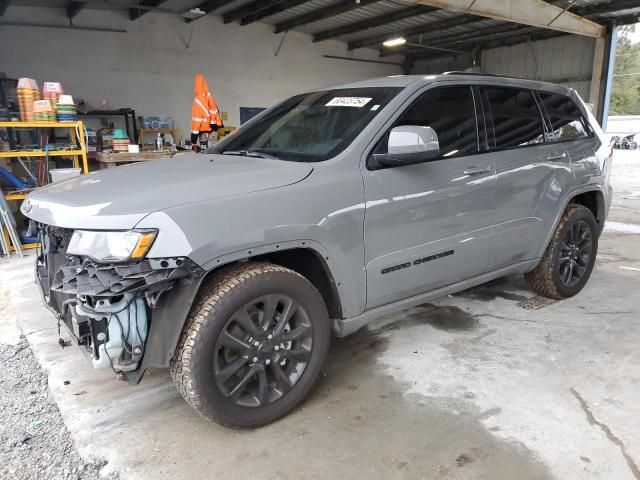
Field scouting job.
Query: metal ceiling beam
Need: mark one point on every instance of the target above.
(207, 7)
(500, 40)
(74, 8)
(440, 41)
(248, 9)
(483, 39)
(351, 59)
(61, 27)
(535, 13)
(322, 13)
(385, 19)
(418, 30)
(606, 7)
(135, 13)
(118, 5)
(3, 6)
(267, 12)
(481, 42)
(510, 41)
(479, 35)
(626, 20)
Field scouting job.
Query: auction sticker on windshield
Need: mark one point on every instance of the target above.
(357, 102)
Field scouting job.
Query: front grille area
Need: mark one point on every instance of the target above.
(55, 241)
(61, 236)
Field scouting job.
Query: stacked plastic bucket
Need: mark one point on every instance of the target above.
(120, 140)
(66, 109)
(28, 93)
(43, 111)
(51, 91)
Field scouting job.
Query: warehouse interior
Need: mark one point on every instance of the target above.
(488, 383)
(145, 59)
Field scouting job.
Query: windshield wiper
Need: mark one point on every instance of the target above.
(249, 153)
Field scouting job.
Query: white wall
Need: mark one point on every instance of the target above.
(151, 69)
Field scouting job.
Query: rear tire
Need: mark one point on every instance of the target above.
(253, 345)
(568, 260)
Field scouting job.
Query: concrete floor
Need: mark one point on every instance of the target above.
(473, 386)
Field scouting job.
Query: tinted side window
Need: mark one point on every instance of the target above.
(517, 121)
(567, 121)
(451, 113)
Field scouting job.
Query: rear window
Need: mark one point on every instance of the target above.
(567, 121)
(517, 121)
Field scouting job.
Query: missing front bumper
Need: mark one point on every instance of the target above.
(152, 277)
(109, 307)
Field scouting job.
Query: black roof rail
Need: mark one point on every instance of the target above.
(454, 72)
(493, 75)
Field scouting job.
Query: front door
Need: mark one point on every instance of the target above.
(428, 225)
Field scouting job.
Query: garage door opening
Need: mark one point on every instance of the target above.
(623, 122)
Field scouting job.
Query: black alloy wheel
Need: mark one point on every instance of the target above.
(253, 345)
(570, 256)
(575, 252)
(263, 350)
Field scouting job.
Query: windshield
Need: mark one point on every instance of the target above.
(311, 127)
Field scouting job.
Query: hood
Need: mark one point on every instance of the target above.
(118, 198)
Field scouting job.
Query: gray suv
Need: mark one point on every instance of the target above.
(233, 268)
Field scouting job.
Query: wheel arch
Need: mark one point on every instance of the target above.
(300, 257)
(594, 201)
(170, 315)
(590, 196)
(313, 266)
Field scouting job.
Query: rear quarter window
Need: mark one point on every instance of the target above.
(566, 119)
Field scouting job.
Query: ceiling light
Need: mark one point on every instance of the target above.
(194, 13)
(394, 42)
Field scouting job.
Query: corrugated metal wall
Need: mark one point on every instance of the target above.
(566, 60)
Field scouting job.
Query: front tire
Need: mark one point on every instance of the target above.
(253, 345)
(568, 260)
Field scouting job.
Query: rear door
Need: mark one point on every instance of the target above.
(532, 174)
(428, 225)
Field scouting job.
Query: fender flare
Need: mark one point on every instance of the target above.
(171, 312)
(574, 193)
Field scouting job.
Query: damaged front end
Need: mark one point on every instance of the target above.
(109, 307)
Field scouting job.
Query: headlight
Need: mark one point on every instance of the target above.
(111, 246)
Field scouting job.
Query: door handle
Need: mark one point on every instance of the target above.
(552, 157)
(477, 170)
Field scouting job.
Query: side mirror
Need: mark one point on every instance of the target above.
(408, 145)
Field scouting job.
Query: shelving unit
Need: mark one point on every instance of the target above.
(20, 195)
(128, 114)
(76, 153)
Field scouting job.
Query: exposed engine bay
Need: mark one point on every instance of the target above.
(107, 307)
